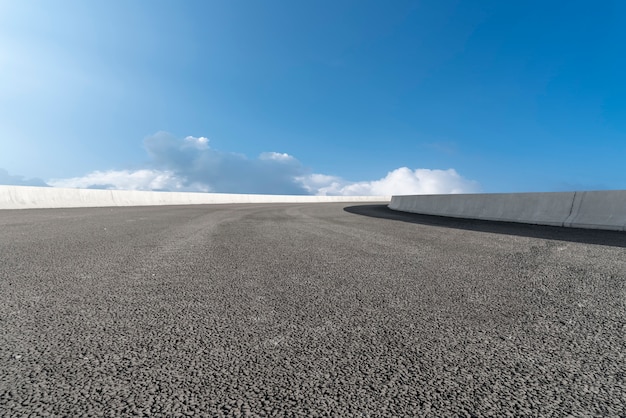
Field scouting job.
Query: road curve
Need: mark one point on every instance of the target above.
(306, 310)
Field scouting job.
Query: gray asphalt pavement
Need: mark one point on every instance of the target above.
(306, 310)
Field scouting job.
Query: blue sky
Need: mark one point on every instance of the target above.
(322, 97)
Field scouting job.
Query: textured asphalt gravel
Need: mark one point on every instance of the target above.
(306, 310)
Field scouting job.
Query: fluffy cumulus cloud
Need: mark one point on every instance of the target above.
(130, 180)
(190, 164)
(194, 162)
(276, 156)
(397, 182)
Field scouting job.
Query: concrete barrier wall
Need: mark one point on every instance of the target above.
(594, 210)
(23, 197)
(599, 210)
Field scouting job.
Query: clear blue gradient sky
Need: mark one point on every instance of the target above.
(332, 97)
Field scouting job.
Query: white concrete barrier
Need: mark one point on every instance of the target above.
(25, 197)
(594, 210)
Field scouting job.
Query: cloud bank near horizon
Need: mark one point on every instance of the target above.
(190, 164)
(397, 182)
(9, 180)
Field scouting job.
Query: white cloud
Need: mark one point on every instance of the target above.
(276, 156)
(197, 142)
(190, 164)
(193, 161)
(129, 180)
(401, 181)
(319, 184)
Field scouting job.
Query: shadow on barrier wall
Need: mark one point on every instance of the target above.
(586, 236)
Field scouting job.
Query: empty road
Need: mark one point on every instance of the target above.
(306, 310)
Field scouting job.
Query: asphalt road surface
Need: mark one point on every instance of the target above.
(306, 310)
